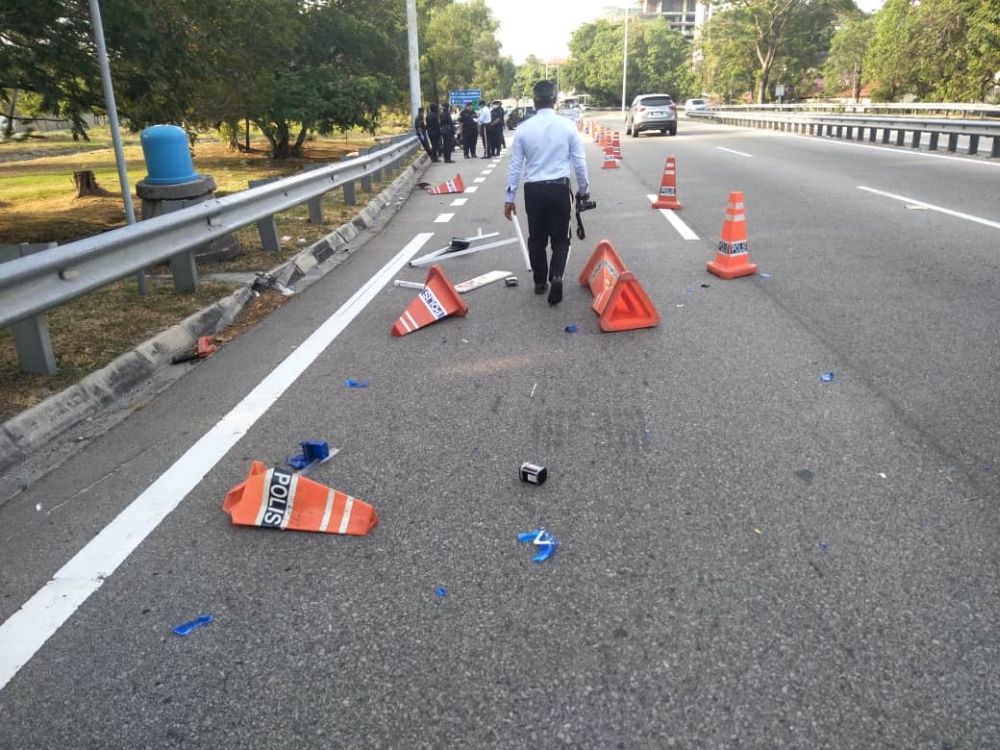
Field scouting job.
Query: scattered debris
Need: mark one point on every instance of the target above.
(533, 473)
(205, 347)
(510, 281)
(540, 538)
(571, 328)
(757, 531)
(704, 286)
(189, 627)
(532, 394)
(823, 546)
(269, 281)
(440, 592)
(882, 474)
(765, 275)
(313, 451)
(482, 280)
(352, 383)
(826, 377)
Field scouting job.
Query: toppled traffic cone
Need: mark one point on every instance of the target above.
(438, 299)
(449, 186)
(733, 256)
(619, 298)
(667, 197)
(278, 499)
(205, 347)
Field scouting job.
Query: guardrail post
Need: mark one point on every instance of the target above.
(850, 132)
(916, 139)
(973, 145)
(872, 134)
(900, 137)
(840, 131)
(932, 146)
(885, 135)
(267, 227)
(366, 179)
(31, 335)
(377, 171)
(350, 195)
(995, 151)
(953, 142)
(315, 204)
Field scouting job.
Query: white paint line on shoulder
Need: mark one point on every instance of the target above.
(932, 207)
(487, 171)
(731, 151)
(675, 221)
(471, 188)
(459, 201)
(444, 218)
(27, 630)
(479, 179)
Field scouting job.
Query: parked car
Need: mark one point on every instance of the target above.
(519, 115)
(695, 105)
(651, 112)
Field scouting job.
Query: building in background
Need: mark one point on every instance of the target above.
(685, 16)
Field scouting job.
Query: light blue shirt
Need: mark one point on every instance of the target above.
(546, 147)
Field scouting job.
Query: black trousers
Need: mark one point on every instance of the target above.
(469, 141)
(434, 137)
(548, 206)
(447, 144)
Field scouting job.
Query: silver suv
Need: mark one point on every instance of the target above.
(651, 112)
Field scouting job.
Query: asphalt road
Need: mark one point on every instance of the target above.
(750, 556)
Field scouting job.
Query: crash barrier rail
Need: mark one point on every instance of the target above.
(967, 110)
(854, 127)
(34, 283)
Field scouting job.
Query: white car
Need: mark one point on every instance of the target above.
(695, 105)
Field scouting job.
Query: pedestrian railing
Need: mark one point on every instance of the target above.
(898, 130)
(35, 283)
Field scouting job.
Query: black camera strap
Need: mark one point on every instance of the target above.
(580, 231)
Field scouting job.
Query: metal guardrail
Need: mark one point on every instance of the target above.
(855, 127)
(982, 110)
(29, 286)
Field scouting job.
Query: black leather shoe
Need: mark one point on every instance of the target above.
(540, 288)
(555, 293)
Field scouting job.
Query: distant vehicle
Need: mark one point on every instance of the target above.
(695, 105)
(572, 107)
(519, 115)
(651, 112)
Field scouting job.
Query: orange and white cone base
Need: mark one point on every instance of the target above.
(732, 259)
(279, 499)
(610, 162)
(667, 197)
(619, 298)
(449, 186)
(438, 299)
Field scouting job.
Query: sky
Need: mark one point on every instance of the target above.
(543, 27)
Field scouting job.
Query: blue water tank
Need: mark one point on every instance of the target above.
(168, 160)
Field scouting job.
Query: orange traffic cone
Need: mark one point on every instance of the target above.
(616, 138)
(449, 186)
(667, 197)
(628, 307)
(619, 298)
(279, 499)
(600, 273)
(438, 299)
(733, 256)
(610, 162)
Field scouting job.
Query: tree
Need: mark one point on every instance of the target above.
(728, 61)
(460, 48)
(658, 60)
(528, 74)
(844, 66)
(888, 62)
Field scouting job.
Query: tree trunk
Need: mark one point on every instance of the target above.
(247, 137)
(86, 183)
(297, 148)
(8, 130)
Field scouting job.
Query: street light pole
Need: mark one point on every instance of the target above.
(625, 61)
(414, 48)
(116, 134)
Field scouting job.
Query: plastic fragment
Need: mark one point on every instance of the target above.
(313, 452)
(823, 546)
(352, 383)
(189, 627)
(571, 328)
(440, 592)
(757, 531)
(826, 377)
(704, 286)
(540, 538)
(765, 275)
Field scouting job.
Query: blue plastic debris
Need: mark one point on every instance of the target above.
(571, 328)
(540, 538)
(313, 451)
(352, 383)
(823, 546)
(765, 275)
(189, 627)
(440, 592)
(826, 377)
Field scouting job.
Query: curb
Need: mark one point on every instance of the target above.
(37, 426)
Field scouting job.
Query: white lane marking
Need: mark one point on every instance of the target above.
(931, 207)
(471, 188)
(731, 151)
(487, 171)
(479, 179)
(27, 630)
(444, 218)
(676, 221)
(460, 201)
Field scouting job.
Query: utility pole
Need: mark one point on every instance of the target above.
(625, 61)
(116, 133)
(414, 48)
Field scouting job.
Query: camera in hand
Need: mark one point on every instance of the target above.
(583, 203)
